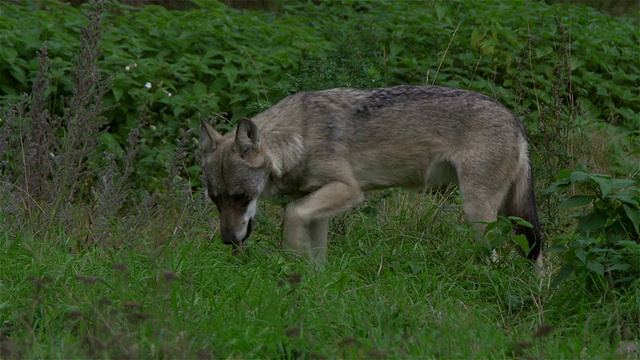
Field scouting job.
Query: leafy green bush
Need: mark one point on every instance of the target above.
(172, 66)
(500, 233)
(606, 243)
(53, 162)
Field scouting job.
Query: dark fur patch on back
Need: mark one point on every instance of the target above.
(387, 97)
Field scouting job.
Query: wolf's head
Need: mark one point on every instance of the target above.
(236, 173)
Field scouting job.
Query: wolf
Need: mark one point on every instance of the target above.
(324, 149)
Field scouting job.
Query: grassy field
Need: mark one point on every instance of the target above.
(400, 284)
(110, 249)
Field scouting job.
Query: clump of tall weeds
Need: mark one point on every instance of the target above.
(51, 163)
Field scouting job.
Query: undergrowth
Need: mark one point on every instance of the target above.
(554, 67)
(109, 246)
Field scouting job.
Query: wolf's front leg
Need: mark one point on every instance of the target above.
(295, 234)
(319, 230)
(306, 219)
(307, 238)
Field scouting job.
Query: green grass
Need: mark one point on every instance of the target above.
(105, 266)
(399, 284)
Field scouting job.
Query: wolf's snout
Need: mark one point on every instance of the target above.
(229, 237)
(232, 236)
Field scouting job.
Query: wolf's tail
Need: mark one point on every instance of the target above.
(521, 202)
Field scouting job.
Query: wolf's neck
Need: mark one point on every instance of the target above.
(285, 151)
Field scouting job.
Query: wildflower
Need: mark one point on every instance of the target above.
(148, 85)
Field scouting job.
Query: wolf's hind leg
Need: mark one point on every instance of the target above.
(307, 217)
(481, 205)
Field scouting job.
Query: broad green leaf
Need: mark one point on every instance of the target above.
(18, 74)
(520, 221)
(218, 85)
(593, 221)
(238, 97)
(618, 267)
(231, 72)
(9, 54)
(588, 106)
(560, 184)
(562, 275)
(576, 201)
(563, 174)
(177, 111)
(604, 182)
(634, 216)
(556, 248)
(441, 9)
(576, 62)
(111, 143)
(199, 89)
(627, 198)
(543, 51)
(394, 50)
(596, 267)
(522, 241)
(8, 89)
(628, 114)
(621, 183)
(578, 176)
(625, 280)
(117, 93)
(629, 244)
(491, 226)
(476, 37)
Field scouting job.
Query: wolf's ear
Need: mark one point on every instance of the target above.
(247, 137)
(209, 137)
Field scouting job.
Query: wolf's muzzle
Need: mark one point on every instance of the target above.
(230, 236)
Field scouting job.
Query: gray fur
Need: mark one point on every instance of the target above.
(326, 148)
